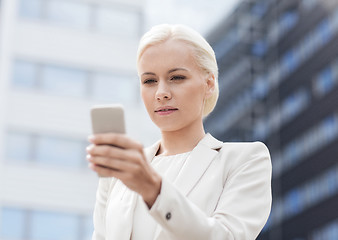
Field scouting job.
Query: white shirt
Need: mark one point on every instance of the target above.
(168, 167)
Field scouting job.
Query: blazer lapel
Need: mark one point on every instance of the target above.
(197, 163)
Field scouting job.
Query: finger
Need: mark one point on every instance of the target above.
(107, 172)
(115, 153)
(117, 139)
(114, 164)
(101, 171)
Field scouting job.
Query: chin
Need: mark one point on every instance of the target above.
(168, 127)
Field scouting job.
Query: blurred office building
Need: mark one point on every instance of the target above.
(278, 62)
(57, 59)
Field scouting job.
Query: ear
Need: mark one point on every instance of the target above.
(210, 85)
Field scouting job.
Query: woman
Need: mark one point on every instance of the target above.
(188, 185)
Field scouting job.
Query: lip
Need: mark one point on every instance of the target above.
(165, 110)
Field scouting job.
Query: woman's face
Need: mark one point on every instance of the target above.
(173, 87)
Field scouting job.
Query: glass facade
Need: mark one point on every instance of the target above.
(299, 199)
(19, 146)
(287, 99)
(26, 147)
(327, 232)
(63, 81)
(112, 19)
(326, 80)
(54, 226)
(59, 151)
(25, 74)
(31, 8)
(73, 82)
(13, 223)
(68, 13)
(34, 224)
(32, 149)
(114, 87)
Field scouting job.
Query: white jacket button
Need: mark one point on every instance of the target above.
(168, 216)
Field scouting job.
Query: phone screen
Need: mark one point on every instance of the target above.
(108, 118)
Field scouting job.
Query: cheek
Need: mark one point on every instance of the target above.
(197, 93)
(146, 96)
(194, 99)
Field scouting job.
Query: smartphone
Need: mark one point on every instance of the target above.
(107, 118)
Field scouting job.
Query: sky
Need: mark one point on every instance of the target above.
(202, 15)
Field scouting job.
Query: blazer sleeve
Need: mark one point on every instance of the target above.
(242, 209)
(99, 215)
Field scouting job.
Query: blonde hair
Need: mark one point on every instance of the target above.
(203, 52)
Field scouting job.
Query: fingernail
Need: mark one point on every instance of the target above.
(89, 148)
(91, 138)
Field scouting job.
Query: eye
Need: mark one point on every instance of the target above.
(178, 77)
(149, 81)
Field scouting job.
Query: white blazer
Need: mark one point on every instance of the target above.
(222, 192)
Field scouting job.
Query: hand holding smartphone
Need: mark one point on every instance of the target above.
(107, 119)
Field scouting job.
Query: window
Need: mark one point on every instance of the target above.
(115, 88)
(68, 13)
(291, 154)
(288, 20)
(31, 8)
(54, 226)
(293, 202)
(259, 9)
(310, 193)
(224, 45)
(294, 104)
(260, 87)
(12, 223)
(88, 227)
(64, 81)
(307, 46)
(327, 232)
(331, 182)
(120, 22)
(18, 147)
(312, 140)
(59, 151)
(259, 48)
(18, 224)
(71, 82)
(84, 15)
(324, 82)
(329, 128)
(24, 74)
(230, 76)
(56, 151)
(324, 31)
(289, 62)
(261, 129)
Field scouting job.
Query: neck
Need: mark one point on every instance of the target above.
(183, 140)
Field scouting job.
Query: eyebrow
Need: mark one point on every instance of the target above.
(177, 69)
(170, 71)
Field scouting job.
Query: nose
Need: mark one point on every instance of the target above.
(163, 91)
